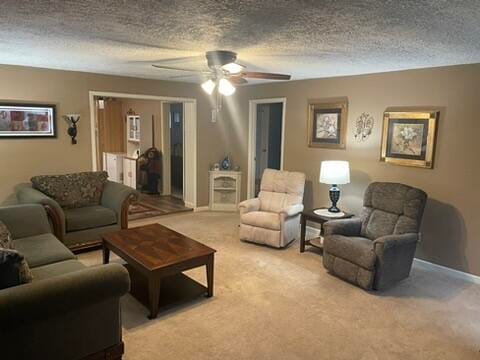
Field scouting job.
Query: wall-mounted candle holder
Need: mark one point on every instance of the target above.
(72, 120)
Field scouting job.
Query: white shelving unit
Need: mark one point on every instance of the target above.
(225, 190)
(133, 128)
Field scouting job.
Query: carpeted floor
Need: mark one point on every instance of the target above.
(280, 304)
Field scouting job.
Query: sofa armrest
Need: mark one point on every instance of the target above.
(345, 227)
(118, 197)
(291, 210)
(29, 195)
(395, 255)
(25, 220)
(38, 301)
(388, 242)
(249, 206)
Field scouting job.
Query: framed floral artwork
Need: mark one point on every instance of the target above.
(327, 124)
(27, 120)
(409, 138)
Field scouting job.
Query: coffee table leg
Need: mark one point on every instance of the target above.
(153, 296)
(302, 233)
(210, 276)
(106, 254)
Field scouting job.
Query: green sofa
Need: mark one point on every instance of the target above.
(77, 222)
(68, 311)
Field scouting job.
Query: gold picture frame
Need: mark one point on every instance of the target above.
(409, 138)
(327, 124)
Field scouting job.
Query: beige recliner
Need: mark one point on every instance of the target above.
(273, 218)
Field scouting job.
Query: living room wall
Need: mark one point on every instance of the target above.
(21, 159)
(451, 230)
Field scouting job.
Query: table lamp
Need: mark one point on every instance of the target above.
(334, 173)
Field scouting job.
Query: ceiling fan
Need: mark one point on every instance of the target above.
(224, 72)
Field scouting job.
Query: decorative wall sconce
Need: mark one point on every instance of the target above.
(72, 120)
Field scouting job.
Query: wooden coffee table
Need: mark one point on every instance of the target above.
(159, 254)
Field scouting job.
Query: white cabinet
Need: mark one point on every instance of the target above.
(133, 128)
(113, 165)
(225, 190)
(130, 172)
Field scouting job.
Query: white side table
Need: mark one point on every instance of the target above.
(225, 189)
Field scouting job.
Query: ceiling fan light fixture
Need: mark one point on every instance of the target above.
(233, 68)
(225, 87)
(208, 86)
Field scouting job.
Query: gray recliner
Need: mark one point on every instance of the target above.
(376, 250)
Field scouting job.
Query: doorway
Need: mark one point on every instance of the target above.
(189, 140)
(266, 137)
(176, 149)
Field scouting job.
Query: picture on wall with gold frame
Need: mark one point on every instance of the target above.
(327, 124)
(409, 138)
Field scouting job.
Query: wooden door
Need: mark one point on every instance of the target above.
(112, 135)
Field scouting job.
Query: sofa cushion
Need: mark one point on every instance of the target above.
(357, 250)
(5, 237)
(73, 190)
(42, 249)
(55, 269)
(89, 217)
(263, 219)
(14, 269)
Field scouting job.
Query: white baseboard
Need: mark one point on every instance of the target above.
(189, 205)
(314, 232)
(201, 208)
(448, 271)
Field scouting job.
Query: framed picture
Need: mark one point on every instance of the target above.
(27, 120)
(327, 124)
(409, 138)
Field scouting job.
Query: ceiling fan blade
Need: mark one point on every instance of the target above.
(186, 76)
(237, 80)
(262, 75)
(180, 69)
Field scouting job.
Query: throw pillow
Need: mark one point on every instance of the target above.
(73, 190)
(5, 237)
(14, 269)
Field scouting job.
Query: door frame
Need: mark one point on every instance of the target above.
(252, 137)
(190, 121)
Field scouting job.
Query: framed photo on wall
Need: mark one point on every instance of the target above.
(327, 124)
(409, 138)
(27, 121)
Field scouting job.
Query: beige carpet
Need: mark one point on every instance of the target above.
(280, 304)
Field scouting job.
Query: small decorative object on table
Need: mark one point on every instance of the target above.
(409, 138)
(72, 120)
(319, 216)
(334, 173)
(226, 164)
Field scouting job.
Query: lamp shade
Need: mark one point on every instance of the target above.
(334, 172)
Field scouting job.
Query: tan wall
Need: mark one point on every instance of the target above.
(20, 159)
(451, 222)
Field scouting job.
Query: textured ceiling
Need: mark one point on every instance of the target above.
(307, 39)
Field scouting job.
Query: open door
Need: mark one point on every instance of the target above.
(176, 149)
(268, 140)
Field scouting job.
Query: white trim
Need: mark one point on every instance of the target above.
(201, 209)
(252, 123)
(192, 123)
(448, 271)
